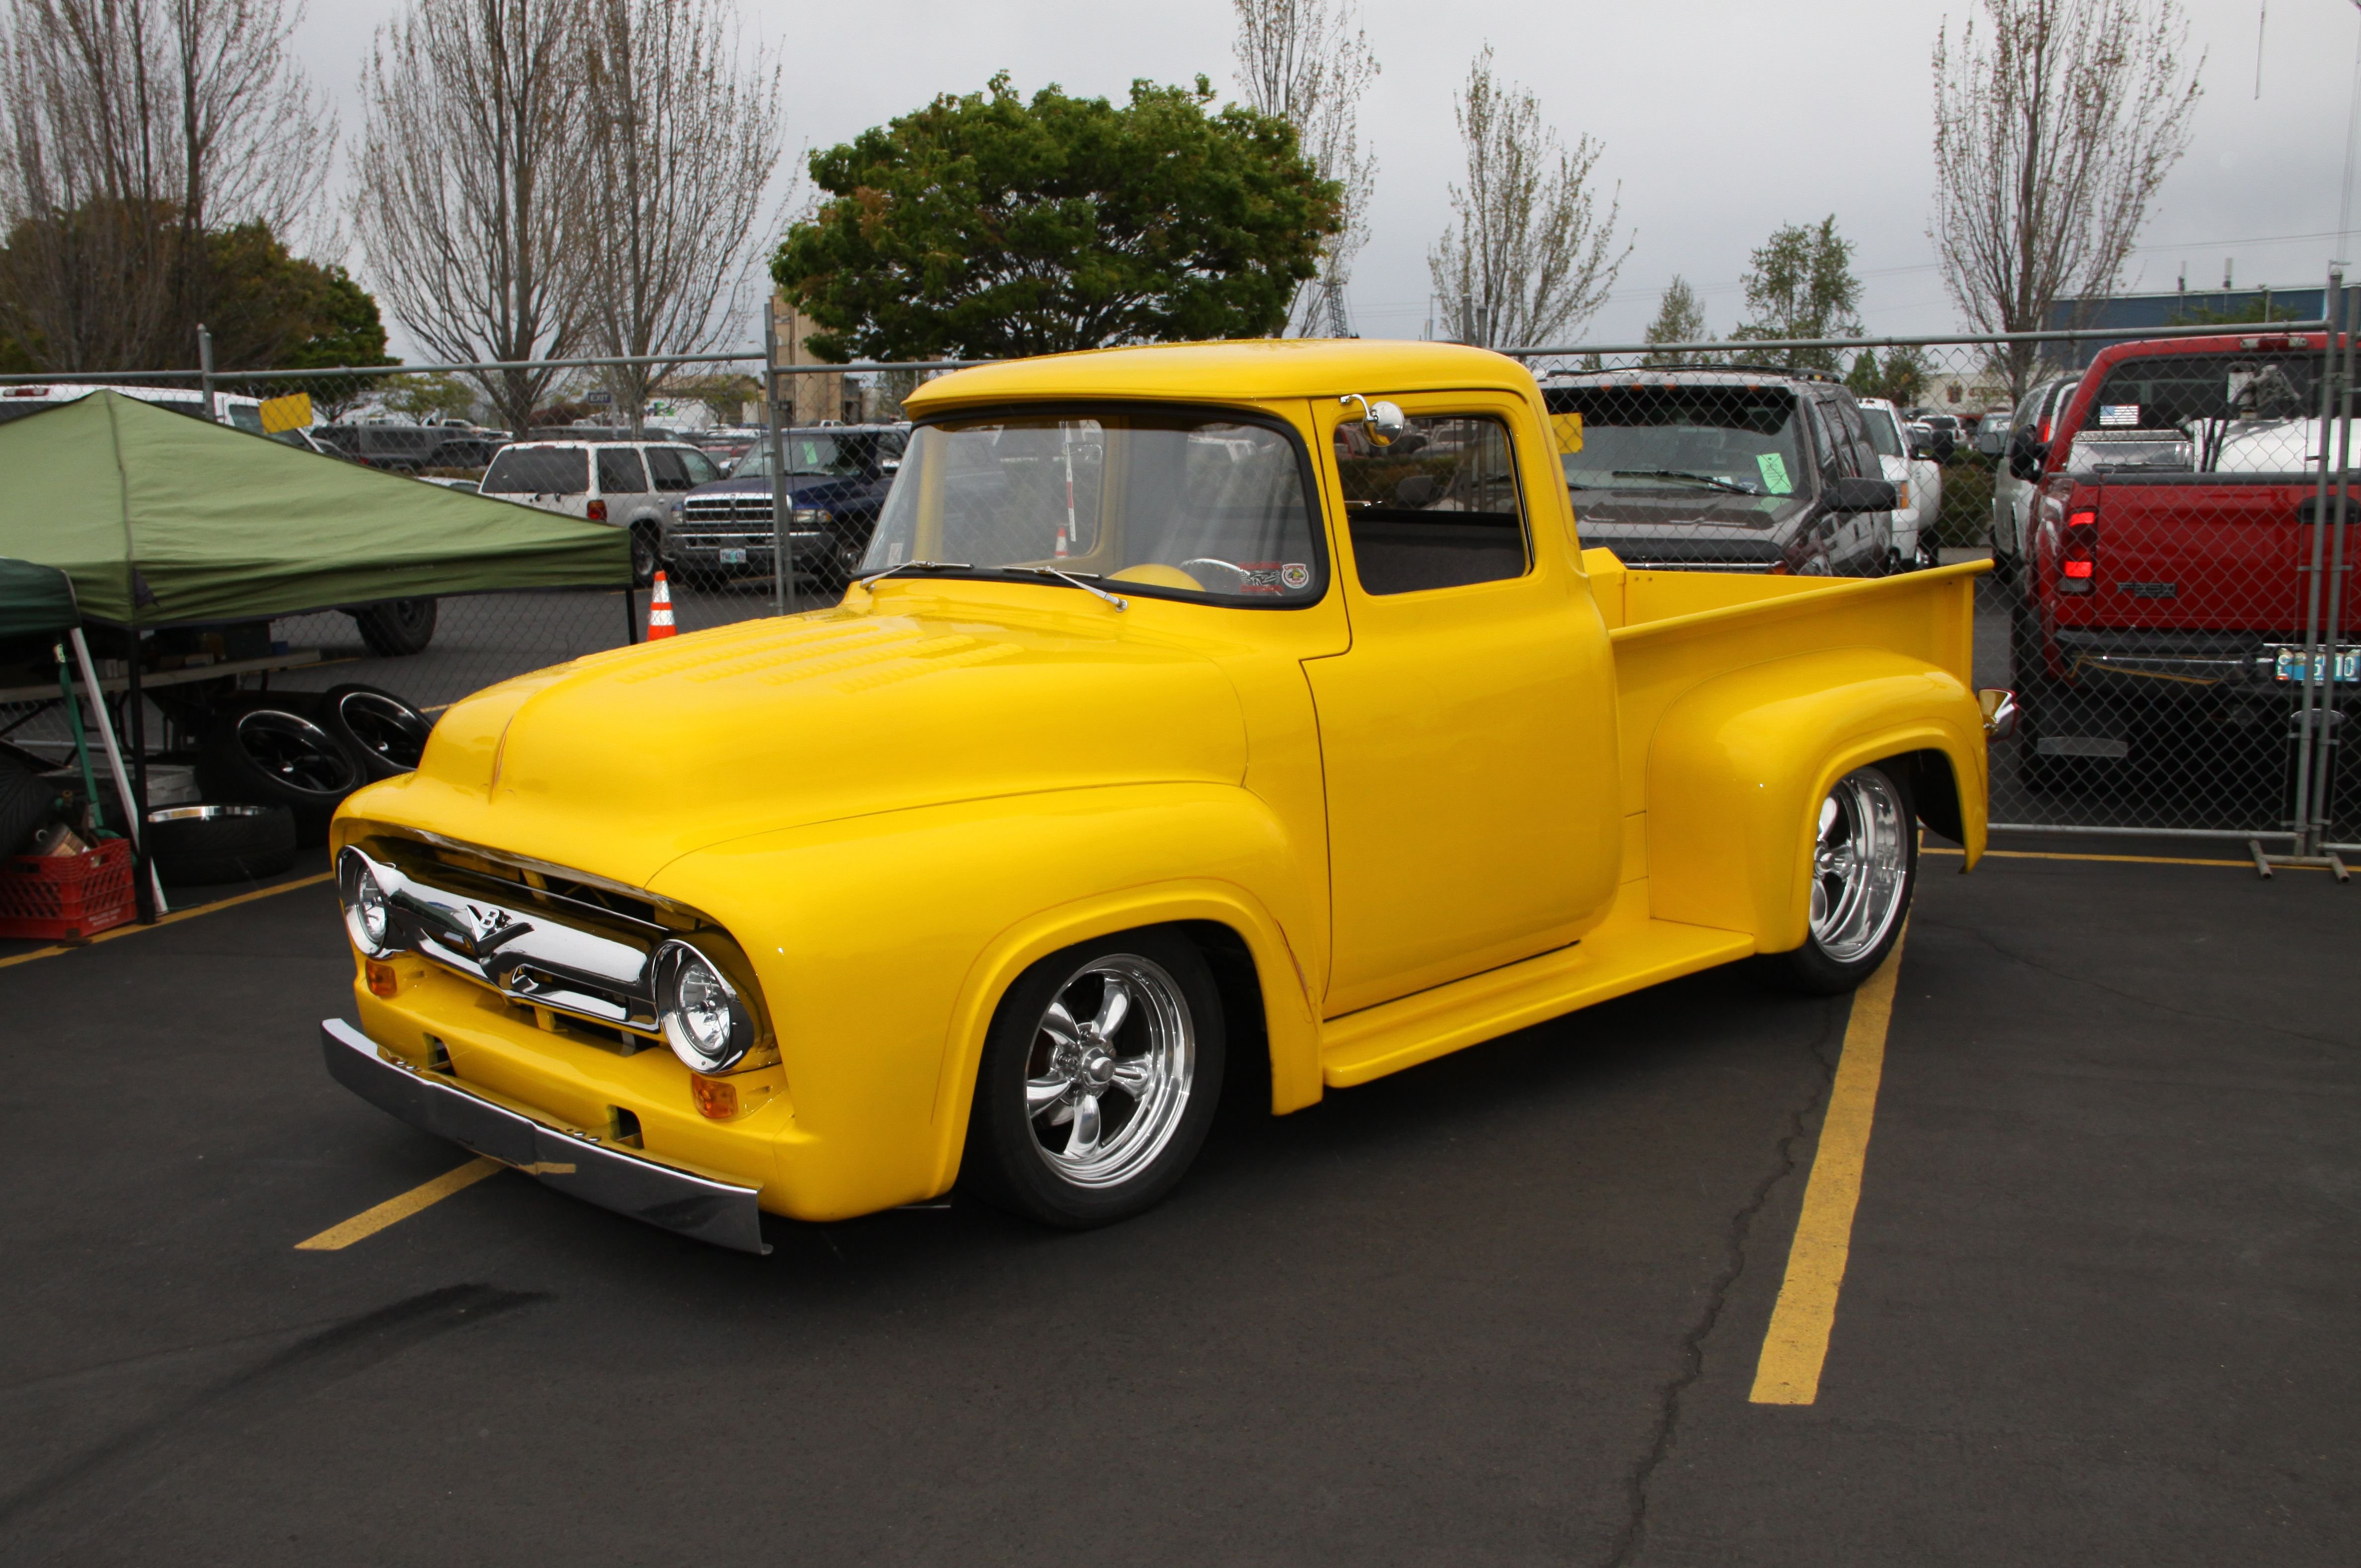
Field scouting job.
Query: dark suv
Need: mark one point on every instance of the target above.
(837, 479)
(407, 448)
(1725, 469)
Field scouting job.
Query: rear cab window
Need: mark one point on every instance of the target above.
(539, 471)
(2237, 413)
(1438, 508)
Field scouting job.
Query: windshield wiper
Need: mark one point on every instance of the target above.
(1681, 474)
(1068, 577)
(914, 566)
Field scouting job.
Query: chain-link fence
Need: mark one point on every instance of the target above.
(2170, 546)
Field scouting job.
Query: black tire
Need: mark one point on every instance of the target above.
(26, 802)
(378, 730)
(203, 845)
(397, 628)
(1176, 1008)
(271, 756)
(1872, 809)
(647, 555)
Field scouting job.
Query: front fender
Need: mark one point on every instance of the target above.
(883, 944)
(1739, 766)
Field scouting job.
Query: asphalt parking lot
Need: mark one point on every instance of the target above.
(2100, 1302)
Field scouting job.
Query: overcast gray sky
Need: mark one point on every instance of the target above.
(1722, 119)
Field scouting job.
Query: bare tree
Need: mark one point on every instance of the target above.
(468, 201)
(1528, 255)
(2053, 129)
(133, 129)
(684, 138)
(1307, 63)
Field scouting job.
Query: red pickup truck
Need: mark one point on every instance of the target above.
(2163, 600)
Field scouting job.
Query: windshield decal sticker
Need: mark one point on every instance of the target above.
(1295, 575)
(2119, 413)
(1775, 473)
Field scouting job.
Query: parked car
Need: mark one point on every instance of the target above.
(837, 479)
(1918, 478)
(407, 448)
(1299, 730)
(1726, 468)
(1945, 429)
(2163, 590)
(1991, 433)
(2012, 500)
(635, 485)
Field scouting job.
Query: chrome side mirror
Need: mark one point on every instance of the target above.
(1384, 421)
(2000, 712)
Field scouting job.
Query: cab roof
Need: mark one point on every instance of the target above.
(1253, 369)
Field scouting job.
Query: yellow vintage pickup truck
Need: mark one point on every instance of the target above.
(1200, 705)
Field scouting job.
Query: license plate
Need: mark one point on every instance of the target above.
(2348, 665)
(733, 557)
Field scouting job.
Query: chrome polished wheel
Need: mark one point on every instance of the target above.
(1107, 1077)
(1859, 865)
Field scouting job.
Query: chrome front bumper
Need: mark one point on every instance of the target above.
(622, 1179)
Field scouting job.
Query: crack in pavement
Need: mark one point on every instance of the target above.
(48, 1516)
(2145, 1001)
(1826, 1050)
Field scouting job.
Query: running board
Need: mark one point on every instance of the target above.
(1630, 952)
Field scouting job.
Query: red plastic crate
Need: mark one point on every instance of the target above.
(55, 897)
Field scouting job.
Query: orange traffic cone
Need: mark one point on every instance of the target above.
(660, 624)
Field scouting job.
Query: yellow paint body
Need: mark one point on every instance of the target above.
(1428, 818)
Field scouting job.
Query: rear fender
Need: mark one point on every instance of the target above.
(1739, 767)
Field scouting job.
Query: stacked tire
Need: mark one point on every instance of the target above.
(273, 767)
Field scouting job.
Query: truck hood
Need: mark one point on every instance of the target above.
(621, 762)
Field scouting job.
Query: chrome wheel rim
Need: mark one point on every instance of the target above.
(1107, 1078)
(294, 751)
(1859, 864)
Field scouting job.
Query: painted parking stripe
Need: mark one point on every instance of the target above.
(174, 918)
(1797, 1345)
(335, 1238)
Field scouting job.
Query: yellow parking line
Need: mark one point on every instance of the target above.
(2060, 855)
(335, 1238)
(173, 918)
(1797, 1344)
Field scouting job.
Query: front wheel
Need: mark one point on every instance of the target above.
(1098, 1082)
(1864, 867)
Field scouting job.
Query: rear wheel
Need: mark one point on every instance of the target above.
(1864, 868)
(1098, 1082)
(397, 626)
(647, 555)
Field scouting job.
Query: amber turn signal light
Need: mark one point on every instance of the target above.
(383, 981)
(716, 1098)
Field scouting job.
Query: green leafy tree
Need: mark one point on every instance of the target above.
(434, 395)
(1802, 286)
(1899, 379)
(2259, 312)
(1680, 319)
(985, 225)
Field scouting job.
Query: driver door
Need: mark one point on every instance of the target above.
(1468, 734)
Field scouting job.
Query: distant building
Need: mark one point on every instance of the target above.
(812, 397)
(2121, 318)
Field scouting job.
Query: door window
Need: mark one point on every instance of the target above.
(665, 469)
(1439, 507)
(620, 472)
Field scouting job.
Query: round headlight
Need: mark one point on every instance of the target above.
(703, 1021)
(368, 912)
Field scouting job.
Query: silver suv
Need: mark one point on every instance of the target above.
(631, 484)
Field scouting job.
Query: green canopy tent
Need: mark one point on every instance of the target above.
(162, 519)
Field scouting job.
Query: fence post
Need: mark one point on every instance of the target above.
(205, 369)
(2332, 711)
(783, 574)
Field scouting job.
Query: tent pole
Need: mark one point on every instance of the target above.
(136, 725)
(132, 830)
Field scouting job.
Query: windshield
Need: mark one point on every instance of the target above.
(1193, 506)
(1720, 438)
(1884, 433)
(815, 454)
(539, 471)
